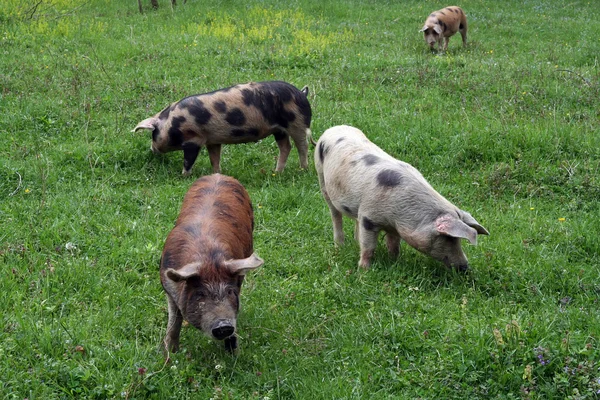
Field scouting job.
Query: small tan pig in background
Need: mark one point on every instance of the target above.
(442, 24)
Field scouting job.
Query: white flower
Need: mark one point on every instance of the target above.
(70, 246)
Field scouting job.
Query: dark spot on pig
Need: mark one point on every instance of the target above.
(304, 109)
(220, 106)
(204, 191)
(443, 13)
(236, 117)
(443, 25)
(225, 210)
(389, 178)
(155, 133)
(368, 224)
(370, 159)
(432, 14)
(270, 99)
(248, 97)
(192, 230)
(252, 132)
(280, 135)
(165, 113)
(460, 11)
(322, 151)
(222, 206)
(450, 9)
(166, 260)
(280, 89)
(228, 184)
(175, 134)
(349, 211)
(216, 255)
(196, 109)
(289, 116)
(339, 140)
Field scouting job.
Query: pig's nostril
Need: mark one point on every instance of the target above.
(222, 330)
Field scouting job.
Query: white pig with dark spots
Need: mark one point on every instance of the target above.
(361, 181)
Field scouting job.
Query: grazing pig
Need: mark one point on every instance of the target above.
(238, 114)
(442, 24)
(205, 259)
(363, 182)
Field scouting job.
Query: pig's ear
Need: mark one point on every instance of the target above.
(241, 267)
(148, 123)
(186, 272)
(424, 28)
(469, 220)
(438, 29)
(452, 226)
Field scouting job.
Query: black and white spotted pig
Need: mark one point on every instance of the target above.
(363, 182)
(442, 24)
(239, 114)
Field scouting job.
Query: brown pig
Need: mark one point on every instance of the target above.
(442, 24)
(205, 259)
(238, 114)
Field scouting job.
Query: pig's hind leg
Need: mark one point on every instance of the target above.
(283, 142)
(300, 140)
(463, 32)
(392, 240)
(214, 154)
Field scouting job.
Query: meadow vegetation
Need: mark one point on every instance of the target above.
(507, 128)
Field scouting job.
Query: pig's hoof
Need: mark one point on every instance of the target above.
(186, 172)
(230, 343)
(364, 265)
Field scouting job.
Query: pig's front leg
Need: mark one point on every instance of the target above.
(171, 340)
(190, 153)
(367, 234)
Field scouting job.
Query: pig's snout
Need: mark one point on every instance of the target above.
(463, 267)
(222, 329)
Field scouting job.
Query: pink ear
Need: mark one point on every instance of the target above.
(424, 28)
(437, 29)
(241, 267)
(148, 123)
(452, 226)
(186, 272)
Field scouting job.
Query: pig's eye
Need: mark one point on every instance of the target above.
(230, 292)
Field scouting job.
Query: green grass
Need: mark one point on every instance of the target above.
(507, 129)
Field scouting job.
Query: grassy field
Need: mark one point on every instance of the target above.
(507, 129)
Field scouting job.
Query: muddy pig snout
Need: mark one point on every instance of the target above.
(222, 328)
